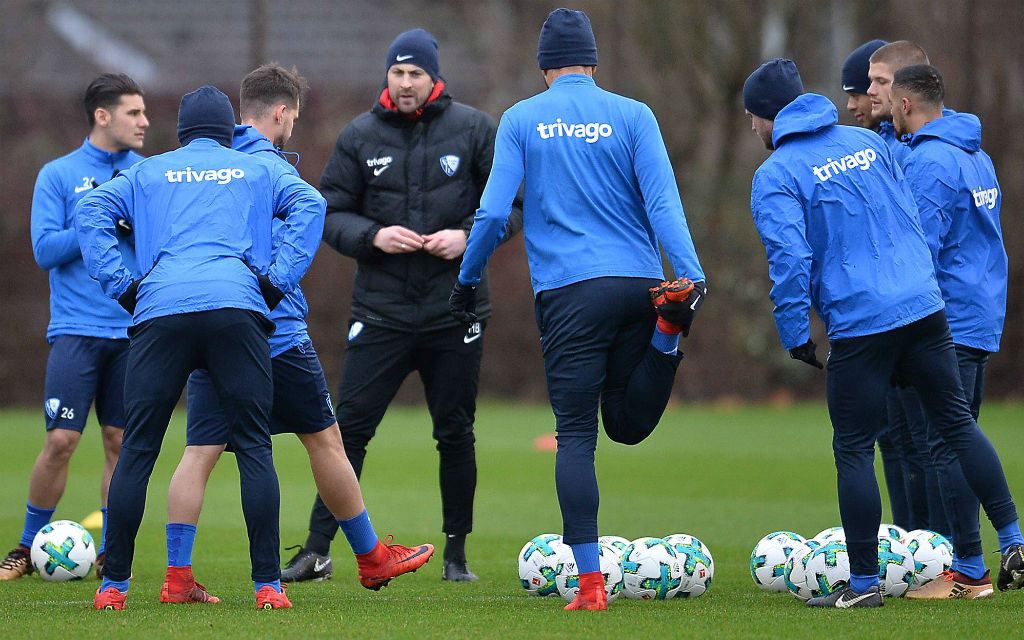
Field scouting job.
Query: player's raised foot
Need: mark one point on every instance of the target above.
(668, 299)
(180, 587)
(1011, 569)
(846, 598)
(111, 599)
(306, 565)
(591, 596)
(953, 584)
(270, 598)
(16, 564)
(457, 571)
(386, 561)
(99, 565)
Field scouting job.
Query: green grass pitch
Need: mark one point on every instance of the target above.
(727, 475)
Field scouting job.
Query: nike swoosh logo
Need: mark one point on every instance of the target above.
(380, 170)
(847, 87)
(403, 58)
(82, 188)
(693, 307)
(319, 566)
(475, 336)
(418, 553)
(845, 603)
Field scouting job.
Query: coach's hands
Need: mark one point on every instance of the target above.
(128, 299)
(805, 353)
(397, 239)
(462, 303)
(447, 244)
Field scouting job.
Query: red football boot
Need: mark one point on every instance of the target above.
(180, 586)
(672, 294)
(270, 598)
(591, 596)
(111, 599)
(386, 561)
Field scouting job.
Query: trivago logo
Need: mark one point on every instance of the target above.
(590, 132)
(220, 176)
(985, 197)
(861, 160)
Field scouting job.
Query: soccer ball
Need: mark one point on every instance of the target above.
(932, 553)
(568, 579)
(651, 570)
(896, 568)
(62, 551)
(696, 563)
(540, 561)
(795, 572)
(768, 559)
(832, 533)
(892, 531)
(828, 565)
(617, 543)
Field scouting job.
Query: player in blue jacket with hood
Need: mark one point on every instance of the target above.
(600, 194)
(958, 201)
(205, 284)
(841, 233)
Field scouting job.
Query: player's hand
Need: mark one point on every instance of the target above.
(397, 239)
(129, 298)
(682, 313)
(447, 244)
(805, 353)
(462, 303)
(271, 294)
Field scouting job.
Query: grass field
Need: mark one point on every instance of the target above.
(726, 475)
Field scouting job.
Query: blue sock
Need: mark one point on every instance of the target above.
(665, 342)
(972, 566)
(359, 533)
(180, 538)
(35, 519)
(276, 584)
(860, 584)
(1009, 536)
(587, 556)
(120, 585)
(103, 533)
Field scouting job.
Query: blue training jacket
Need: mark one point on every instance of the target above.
(202, 216)
(958, 201)
(290, 315)
(840, 229)
(600, 191)
(77, 304)
(899, 149)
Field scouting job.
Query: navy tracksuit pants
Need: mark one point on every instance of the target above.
(596, 340)
(859, 373)
(232, 345)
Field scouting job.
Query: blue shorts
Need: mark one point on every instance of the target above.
(79, 370)
(302, 403)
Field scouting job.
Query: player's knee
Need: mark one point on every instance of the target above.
(60, 445)
(455, 440)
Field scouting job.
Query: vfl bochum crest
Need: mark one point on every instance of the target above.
(450, 164)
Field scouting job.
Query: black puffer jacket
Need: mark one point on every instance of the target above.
(425, 175)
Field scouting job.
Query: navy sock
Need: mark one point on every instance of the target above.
(103, 533)
(276, 584)
(35, 519)
(860, 584)
(665, 342)
(181, 537)
(972, 566)
(587, 557)
(455, 548)
(1009, 536)
(120, 585)
(359, 533)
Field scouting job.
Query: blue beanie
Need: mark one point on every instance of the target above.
(566, 40)
(416, 47)
(775, 84)
(206, 113)
(855, 69)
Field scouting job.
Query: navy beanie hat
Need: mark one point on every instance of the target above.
(855, 69)
(566, 40)
(206, 113)
(775, 84)
(416, 47)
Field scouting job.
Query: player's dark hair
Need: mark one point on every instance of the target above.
(269, 85)
(899, 54)
(922, 80)
(105, 92)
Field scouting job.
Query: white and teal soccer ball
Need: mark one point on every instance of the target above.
(886, 530)
(651, 570)
(830, 534)
(768, 559)
(63, 550)
(932, 553)
(541, 560)
(896, 569)
(828, 565)
(696, 563)
(618, 543)
(795, 573)
(568, 579)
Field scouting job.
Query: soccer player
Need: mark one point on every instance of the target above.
(600, 194)
(269, 103)
(200, 296)
(401, 188)
(841, 234)
(882, 64)
(88, 332)
(958, 201)
(855, 83)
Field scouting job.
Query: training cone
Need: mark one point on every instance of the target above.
(546, 442)
(93, 521)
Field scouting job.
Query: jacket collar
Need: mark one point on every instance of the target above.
(809, 112)
(100, 155)
(437, 102)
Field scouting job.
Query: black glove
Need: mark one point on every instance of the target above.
(127, 300)
(271, 294)
(462, 303)
(124, 228)
(682, 313)
(805, 352)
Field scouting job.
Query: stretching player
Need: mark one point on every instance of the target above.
(841, 233)
(88, 332)
(600, 193)
(269, 104)
(200, 298)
